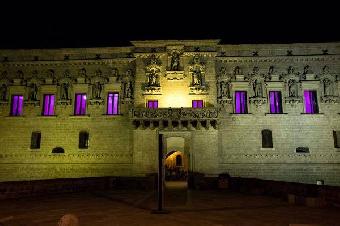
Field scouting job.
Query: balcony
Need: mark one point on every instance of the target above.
(175, 118)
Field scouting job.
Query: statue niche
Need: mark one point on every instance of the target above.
(65, 93)
(175, 61)
(33, 92)
(292, 88)
(328, 87)
(97, 89)
(152, 72)
(3, 92)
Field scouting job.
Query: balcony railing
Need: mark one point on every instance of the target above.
(175, 113)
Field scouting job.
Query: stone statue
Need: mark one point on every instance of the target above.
(33, 92)
(290, 70)
(128, 90)
(174, 66)
(197, 78)
(328, 87)
(307, 70)
(97, 90)
(237, 70)
(225, 91)
(3, 92)
(257, 87)
(50, 73)
(64, 91)
(271, 70)
(325, 70)
(20, 74)
(82, 73)
(153, 79)
(292, 88)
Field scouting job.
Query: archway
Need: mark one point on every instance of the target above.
(176, 166)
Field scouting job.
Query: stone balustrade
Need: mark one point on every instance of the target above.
(175, 118)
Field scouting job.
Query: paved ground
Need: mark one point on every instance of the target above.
(186, 208)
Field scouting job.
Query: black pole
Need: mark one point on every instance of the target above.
(160, 177)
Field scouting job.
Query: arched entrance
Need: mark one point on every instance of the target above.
(176, 166)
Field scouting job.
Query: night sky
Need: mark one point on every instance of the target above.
(51, 26)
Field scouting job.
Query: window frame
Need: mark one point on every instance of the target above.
(49, 107)
(196, 102)
(82, 95)
(84, 140)
(264, 135)
(245, 108)
(112, 108)
(153, 101)
(308, 96)
(17, 112)
(35, 145)
(277, 102)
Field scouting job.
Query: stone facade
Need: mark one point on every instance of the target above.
(175, 73)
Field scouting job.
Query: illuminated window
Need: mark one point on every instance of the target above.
(35, 140)
(17, 105)
(241, 102)
(48, 105)
(197, 103)
(80, 104)
(311, 102)
(275, 101)
(267, 138)
(112, 103)
(152, 104)
(83, 140)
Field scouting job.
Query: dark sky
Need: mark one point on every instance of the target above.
(55, 26)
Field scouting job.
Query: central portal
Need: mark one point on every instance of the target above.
(176, 159)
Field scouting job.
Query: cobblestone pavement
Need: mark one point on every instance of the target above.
(186, 208)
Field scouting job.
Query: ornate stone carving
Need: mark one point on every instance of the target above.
(50, 76)
(257, 101)
(128, 85)
(197, 73)
(152, 72)
(32, 89)
(175, 61)
(328, 86)
(175, 113)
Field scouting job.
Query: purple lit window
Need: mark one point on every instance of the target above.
(112, 103)
(48, 106)
(241, 102)
(80, 104)
(197, 103)
(17, 105)
(275, 102)
(311, 103)
(153, 104)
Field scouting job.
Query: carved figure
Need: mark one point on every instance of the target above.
(292, 88)
(237, 70)
(97, 90)
(33, 92)
(328, 87)
(128, 90)
(290, 70)
(224, 89)
(257, 87)
(64, 94)
(174, 66)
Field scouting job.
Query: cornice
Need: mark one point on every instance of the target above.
(67, 62)
(236, 59)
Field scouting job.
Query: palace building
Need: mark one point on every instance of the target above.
(267, 111)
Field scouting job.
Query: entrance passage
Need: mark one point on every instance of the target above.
(176, 166)
(176, 175)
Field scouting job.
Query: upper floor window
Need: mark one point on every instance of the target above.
(48, 105)
(275, 100)
(17, 105)
(197, 103)
(80, 104)
(153, 104)
(112, 103)
(241, 102)
(311, 102)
